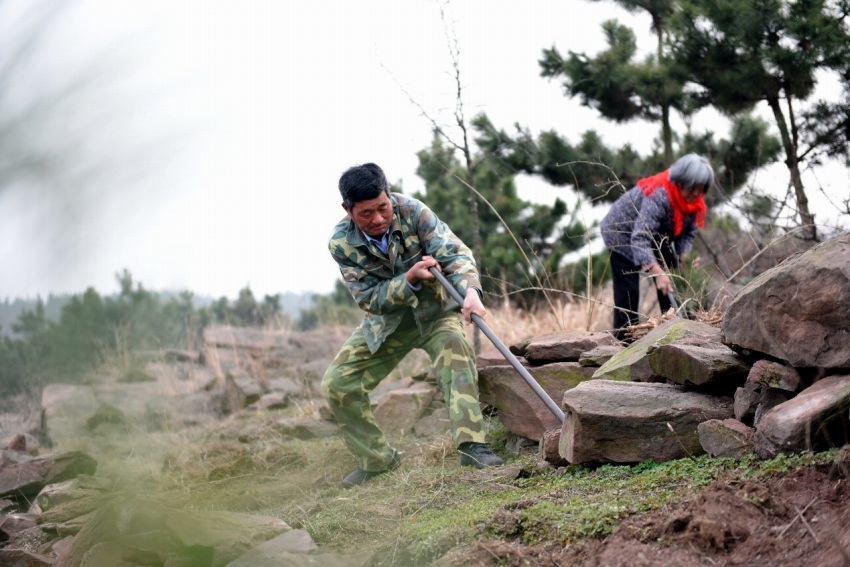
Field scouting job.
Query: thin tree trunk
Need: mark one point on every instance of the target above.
(666, 130)
(807, 219)
(667, 134)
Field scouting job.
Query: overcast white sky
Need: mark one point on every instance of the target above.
(239, 116)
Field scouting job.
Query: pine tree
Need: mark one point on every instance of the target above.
(522, 243)
(619, 87)
(744, 53)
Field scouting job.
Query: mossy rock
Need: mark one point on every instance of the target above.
(632, 364)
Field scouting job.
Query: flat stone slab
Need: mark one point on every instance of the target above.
(563, 346)
(599, 355)
(632, 363)
(695, 365)
(609, 421)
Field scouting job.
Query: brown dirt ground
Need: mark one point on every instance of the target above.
(800, 518)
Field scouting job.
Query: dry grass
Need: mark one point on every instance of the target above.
(570, 313)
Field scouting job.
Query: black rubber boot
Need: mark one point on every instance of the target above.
(478, 455)
(358, 476)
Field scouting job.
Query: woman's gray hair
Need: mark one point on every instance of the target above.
(691, 170)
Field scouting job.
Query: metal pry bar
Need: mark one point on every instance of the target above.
(509, 356)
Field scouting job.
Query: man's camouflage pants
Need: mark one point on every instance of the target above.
(356, 371)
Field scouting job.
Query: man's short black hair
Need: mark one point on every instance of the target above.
(361, 183)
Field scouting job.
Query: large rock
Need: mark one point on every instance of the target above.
(399, 410)
(632, 363)
(814, 419)
(799, 310)
(23, 477)
(725, 438)
(773, 374)
(518, 406)
(562, 346)
(626, 422)
(697, 365)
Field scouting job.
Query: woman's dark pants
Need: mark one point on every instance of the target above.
(626, 278)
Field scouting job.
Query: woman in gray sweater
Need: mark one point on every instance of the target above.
(650, 229)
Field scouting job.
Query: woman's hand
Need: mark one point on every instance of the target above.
(472, 304)
(662, 280)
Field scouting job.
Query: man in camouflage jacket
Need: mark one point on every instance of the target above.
(384, 248)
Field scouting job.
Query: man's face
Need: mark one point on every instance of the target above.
(373, 216)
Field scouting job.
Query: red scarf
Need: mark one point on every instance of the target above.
(681, 208)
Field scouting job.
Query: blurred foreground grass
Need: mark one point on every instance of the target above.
(412, 515)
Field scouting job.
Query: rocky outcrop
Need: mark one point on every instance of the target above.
(270, 356)
(667, 395)
(756, 372)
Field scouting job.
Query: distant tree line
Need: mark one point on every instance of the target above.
(92, 330)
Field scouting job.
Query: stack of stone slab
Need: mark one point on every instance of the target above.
(775, 377)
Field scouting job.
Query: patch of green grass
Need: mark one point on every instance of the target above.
(581, 503)
(421, 510)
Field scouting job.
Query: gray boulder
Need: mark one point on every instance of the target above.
(725, 438)
(799, 310)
